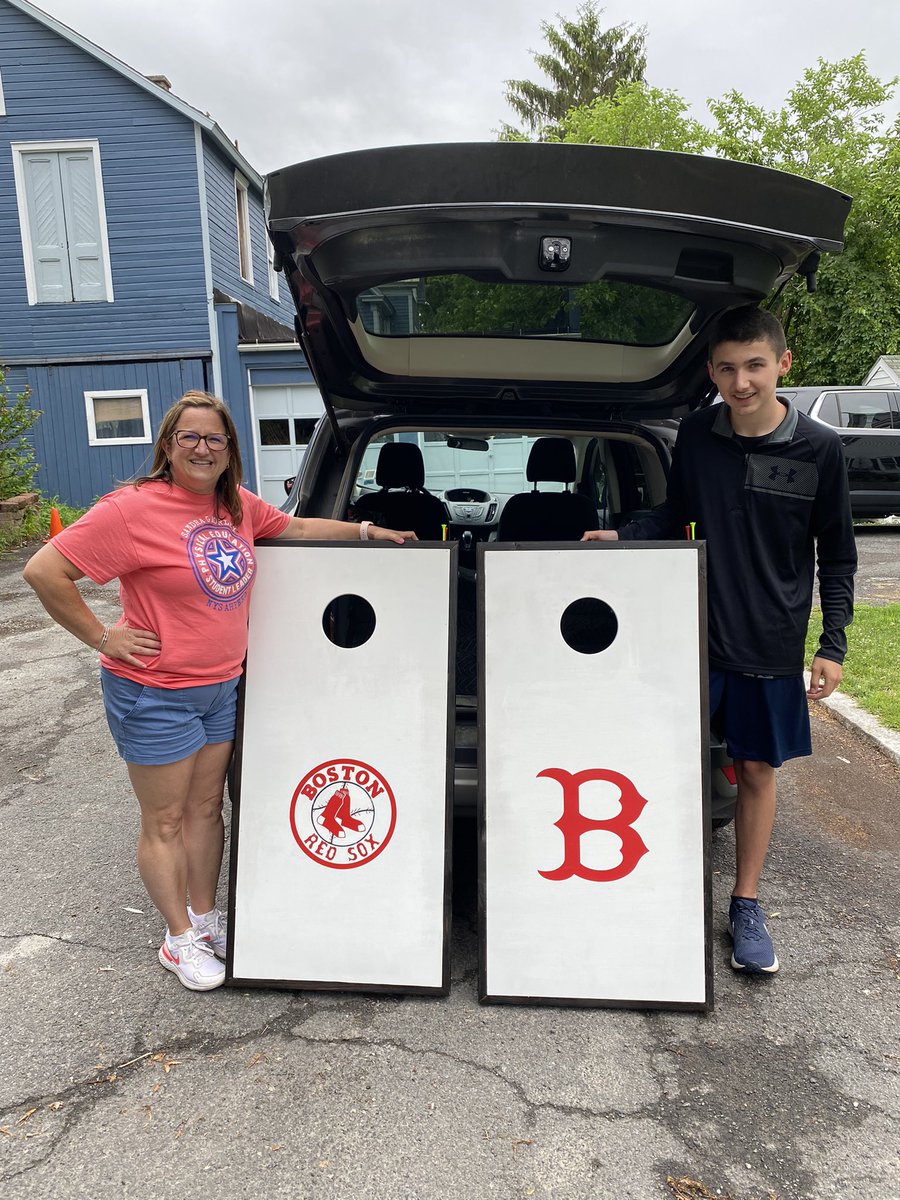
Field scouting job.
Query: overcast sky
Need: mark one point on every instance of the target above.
(293, 79)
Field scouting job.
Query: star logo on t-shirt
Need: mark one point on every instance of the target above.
(227, 562)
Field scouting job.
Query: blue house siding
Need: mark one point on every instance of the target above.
(172, 239)
(57, 92)
(235, 392)
(71, 468)
(223, 240)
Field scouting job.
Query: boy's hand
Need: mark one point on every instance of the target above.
(824, 676)
(600, 535)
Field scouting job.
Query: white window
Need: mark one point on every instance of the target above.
(273, 274)
(117, 418)
(242, 210)
(62, 218)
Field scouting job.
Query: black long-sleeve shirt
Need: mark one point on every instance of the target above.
(768, 508)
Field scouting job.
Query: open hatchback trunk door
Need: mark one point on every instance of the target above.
(536, 277)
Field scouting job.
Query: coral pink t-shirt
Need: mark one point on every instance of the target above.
(184, 572)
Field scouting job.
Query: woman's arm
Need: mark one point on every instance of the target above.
(53, 577)
(321, 529)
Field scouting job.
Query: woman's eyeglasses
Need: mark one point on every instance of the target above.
(214, 441)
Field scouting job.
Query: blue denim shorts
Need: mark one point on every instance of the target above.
(154, 725)
(762, 719)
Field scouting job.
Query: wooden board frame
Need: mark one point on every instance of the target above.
(485, 997)
(235, 783)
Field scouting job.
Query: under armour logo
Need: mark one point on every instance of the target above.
(789, 474)
(573, 823)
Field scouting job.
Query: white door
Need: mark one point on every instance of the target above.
(283, 420)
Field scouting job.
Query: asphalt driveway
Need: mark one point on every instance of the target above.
(115, 1081)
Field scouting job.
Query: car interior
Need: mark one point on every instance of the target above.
(402, 501)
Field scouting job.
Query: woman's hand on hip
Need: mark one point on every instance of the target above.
(125, 644)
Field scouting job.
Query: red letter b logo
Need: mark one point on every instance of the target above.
(573, 823)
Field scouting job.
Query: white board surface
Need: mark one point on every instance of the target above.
(576, 912)
(339, 868)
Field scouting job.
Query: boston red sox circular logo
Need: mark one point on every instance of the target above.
(343, 813)
(222, 562)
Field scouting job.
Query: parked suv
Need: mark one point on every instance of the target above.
(484, 320)
(868, 422)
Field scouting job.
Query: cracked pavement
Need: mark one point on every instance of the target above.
(116, 1081)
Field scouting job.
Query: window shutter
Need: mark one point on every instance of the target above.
(47, 222)
(83, 225)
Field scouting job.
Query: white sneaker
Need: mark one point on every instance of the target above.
(191, 958)
(213, 928)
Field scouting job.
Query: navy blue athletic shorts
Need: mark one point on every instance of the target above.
(763, 719)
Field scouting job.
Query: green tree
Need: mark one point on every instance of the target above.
(832, 129)
(584, 60)
(17, 465)
(636, 115)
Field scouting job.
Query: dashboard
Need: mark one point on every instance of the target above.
(472, 506)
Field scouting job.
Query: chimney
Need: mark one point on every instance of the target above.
(160, 81)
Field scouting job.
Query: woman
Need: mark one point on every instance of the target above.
(180, 541)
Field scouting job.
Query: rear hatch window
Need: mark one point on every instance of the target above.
(458, 305)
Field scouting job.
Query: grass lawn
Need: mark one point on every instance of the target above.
(873, 656)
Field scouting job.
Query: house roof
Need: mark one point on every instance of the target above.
(887, 362)
(256, 328)
(202, 119)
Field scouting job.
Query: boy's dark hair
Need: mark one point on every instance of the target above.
(748, 324)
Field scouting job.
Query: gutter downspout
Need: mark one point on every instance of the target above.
(207, 265)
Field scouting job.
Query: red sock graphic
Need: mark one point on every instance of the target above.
(343, 814)
(336, 813)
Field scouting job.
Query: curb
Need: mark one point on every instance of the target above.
(849, 713)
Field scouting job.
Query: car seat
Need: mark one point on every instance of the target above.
(548, 516)
(402, 501)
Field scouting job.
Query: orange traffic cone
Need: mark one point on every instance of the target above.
(55, 524)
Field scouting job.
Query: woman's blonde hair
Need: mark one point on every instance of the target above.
(229, 482)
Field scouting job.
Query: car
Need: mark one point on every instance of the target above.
(484, 320)
(867, 420)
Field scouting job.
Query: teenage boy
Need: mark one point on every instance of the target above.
(766, 487)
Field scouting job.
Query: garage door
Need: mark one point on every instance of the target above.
(284, 418)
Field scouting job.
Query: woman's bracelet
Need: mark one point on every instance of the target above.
(364, 531)
(103, 639)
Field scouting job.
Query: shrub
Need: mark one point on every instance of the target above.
(17, 463)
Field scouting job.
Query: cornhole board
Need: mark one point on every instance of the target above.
(593, 775)
(341, 825)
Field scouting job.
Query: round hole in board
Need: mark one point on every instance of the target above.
(589, 625)
(348, 621)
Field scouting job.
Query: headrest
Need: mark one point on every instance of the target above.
(400, 464)
(552, 460)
